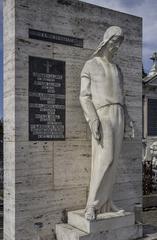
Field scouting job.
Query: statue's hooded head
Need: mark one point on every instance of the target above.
(113, 34)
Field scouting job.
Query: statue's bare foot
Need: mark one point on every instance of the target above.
(90, 213)
(115, 209)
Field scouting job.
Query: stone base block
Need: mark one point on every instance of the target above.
(104, 222)
(150, 200)
(67, 232)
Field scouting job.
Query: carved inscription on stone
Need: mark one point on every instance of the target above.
(55, 38)
(46, 99)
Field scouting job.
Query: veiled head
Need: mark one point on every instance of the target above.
(112, 39)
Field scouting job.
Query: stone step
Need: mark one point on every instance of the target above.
(68, 232)
(104, 222)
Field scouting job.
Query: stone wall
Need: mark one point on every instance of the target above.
(45, 179)
(9, 119)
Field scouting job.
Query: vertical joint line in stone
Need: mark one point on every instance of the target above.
(53, 165)
(53, 51)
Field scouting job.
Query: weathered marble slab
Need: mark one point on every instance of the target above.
(74, 157)
(67, 232)
(104, 222)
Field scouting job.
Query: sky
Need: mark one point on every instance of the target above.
(147, 9)
(1, 59)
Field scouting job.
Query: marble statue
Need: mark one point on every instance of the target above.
(102, 101)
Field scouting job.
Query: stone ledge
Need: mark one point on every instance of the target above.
(104, 222)
(67, 232)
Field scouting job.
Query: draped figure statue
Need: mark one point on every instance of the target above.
(102, 101)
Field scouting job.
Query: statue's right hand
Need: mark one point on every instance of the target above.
(95, 129)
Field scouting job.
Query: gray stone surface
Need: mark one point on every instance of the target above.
(42, 180)
(104, 222)
(67, 232)
(149, 220)
(9, 120)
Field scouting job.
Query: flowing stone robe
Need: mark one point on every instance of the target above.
(101, 97)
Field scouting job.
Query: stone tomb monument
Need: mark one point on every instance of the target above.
(47, 142)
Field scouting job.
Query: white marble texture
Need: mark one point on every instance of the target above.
(104, 222)
(67, 232)
(34, 189)
(103, 103)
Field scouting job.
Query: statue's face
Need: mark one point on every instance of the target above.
(114, 44)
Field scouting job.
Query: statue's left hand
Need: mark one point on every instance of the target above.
(94, 126)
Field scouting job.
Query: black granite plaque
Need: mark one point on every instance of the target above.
(46, 99)
(55, 38)
(152, 117)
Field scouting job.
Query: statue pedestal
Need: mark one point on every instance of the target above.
(104, 222)
(108, 226)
